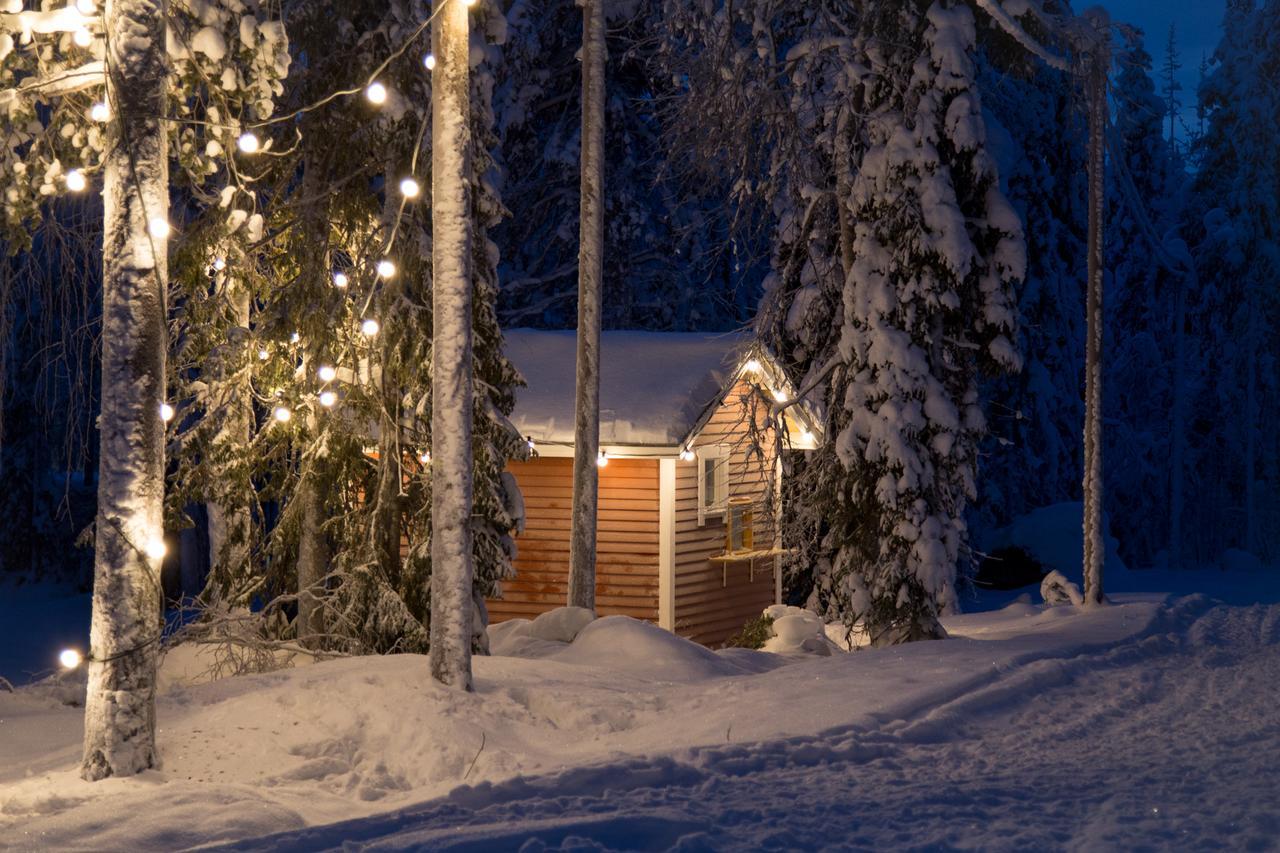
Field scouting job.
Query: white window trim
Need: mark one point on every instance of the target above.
(721, 453)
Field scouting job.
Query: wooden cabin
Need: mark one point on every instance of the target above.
(687, 533)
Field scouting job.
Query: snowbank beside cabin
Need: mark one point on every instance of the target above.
(366, 736)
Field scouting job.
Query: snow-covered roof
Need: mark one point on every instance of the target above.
(654, 386)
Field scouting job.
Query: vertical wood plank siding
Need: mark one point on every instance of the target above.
(706, 610)
(627, 555)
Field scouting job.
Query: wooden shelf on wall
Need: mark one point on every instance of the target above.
(748, 557)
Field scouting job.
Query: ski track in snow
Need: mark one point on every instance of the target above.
(1168, 740)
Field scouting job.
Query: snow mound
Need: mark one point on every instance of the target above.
(623, 644)
(797, 631)
(545, 635)
(1054, 535)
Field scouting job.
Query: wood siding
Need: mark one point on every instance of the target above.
(707, 609)
(627, 553)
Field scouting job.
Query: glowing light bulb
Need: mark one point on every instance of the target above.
(327, 373)
(100, 112)
(82, 37)
(263, 355)
(282, 414)
(370, 327)
(386, 269)
(603, 459)
(424, 457)
(752, 366)
(248, 142)
(376, 93)
(75, 181)
(219, 264)
(429, 61)
(166, 412)
(780, 395)
(294, 338)
(468, 3)
(687, 455)
(340, 279)
(159, 228)
(409, 188)
(807, 437)
(328, 398)
(156, 549)
(86, 7)
(70, 659)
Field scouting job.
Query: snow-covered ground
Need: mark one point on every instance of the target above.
(1147, 723)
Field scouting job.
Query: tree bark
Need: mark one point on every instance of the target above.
(119, 735)
(1094, 548)
(586, 438)
(452, 559)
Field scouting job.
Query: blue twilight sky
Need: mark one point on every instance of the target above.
(1199, 26)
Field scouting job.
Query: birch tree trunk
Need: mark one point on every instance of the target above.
(1099, 62)
(586, 430)
(451, 368)
(119, 734)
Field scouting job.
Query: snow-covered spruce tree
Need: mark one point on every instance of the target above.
(927, 305)
(88, 94)
(1238, 196)
(892, 287)
(336, 207)
(1033, 455)
(1142, 328)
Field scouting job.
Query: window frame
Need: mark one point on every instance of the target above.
(719, 455)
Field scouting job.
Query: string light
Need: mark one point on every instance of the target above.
(282, 414)
(82, 37)
(159, 228)
(687, 455)
(752, 366)
(424, 457)
(327, 373)
(376, 93)
(780, 395)
(294, 338)
(328, 398)
(409, 188)
(70, 659)
(75, 181)
(219, 264)
(340, 279)
(86, 7)
(100, 112)
(807, 437)
(263, 355)
(429, 61)
(468, 3)
(248, 143)
(370, 327)
(602, 460)
(166, 412)
(386, 269)
(156, 549)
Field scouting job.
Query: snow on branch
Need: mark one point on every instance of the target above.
(67, 19)
(61, 83)
(1021, 36)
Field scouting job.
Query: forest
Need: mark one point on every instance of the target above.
(260, 257)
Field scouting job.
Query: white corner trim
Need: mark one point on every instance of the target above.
(667, 544)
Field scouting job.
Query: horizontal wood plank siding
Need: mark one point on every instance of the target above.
(708, 609)
(627, 536)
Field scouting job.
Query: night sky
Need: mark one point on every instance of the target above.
(1199, 26)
